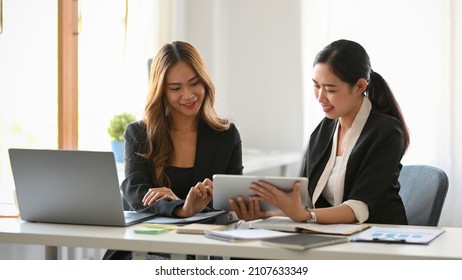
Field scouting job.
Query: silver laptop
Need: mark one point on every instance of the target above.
(71, 187)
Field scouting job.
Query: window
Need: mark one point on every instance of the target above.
(115, 44)
(28, 81)
(117, 37)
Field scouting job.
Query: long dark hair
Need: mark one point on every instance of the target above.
(349, 61)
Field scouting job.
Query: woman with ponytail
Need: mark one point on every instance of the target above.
(354, 155)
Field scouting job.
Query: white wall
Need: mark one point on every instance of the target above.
(452, 214)
(253, 50)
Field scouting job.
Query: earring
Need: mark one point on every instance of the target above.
(166, 111)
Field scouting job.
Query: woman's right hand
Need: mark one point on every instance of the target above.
(155, 194)
(289, 203)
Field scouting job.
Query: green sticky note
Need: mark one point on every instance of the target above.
(150, 230)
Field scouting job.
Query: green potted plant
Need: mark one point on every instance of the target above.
(116, 131)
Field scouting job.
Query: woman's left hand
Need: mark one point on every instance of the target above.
(155, 194)
(197, 199)
(247, 211)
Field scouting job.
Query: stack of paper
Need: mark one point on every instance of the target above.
(407, 235)
(244, 234)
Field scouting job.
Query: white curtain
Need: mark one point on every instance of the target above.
(117, 39)
(147, 28)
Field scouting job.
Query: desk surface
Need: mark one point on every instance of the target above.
(446, 246)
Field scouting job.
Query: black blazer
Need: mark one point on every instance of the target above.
(372, 169)
(216, 152)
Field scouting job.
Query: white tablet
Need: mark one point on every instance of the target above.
(227, 186)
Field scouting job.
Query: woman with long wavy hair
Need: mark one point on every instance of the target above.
(172, 154)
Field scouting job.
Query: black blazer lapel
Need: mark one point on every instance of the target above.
(320, 144)
(205, 149)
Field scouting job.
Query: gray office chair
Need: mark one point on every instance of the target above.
(423, 191)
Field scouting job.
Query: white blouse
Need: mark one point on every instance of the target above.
(331, 184)
(330, 192)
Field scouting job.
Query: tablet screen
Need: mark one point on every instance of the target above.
(227, 186)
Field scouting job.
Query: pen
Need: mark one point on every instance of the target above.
(237, 224)
(388, 240)
(164, 226)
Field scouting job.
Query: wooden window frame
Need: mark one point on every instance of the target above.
(68, 74)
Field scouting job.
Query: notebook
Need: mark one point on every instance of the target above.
(227, 186)
(287, 224)
(198, 228)
(215, 217)
(70, 187)
(303, 241)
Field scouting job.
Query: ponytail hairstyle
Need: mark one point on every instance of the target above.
(159, 145)
(350, 62)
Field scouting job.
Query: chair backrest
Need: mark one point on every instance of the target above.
(423, 191)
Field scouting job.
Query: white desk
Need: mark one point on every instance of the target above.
(446, 246)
